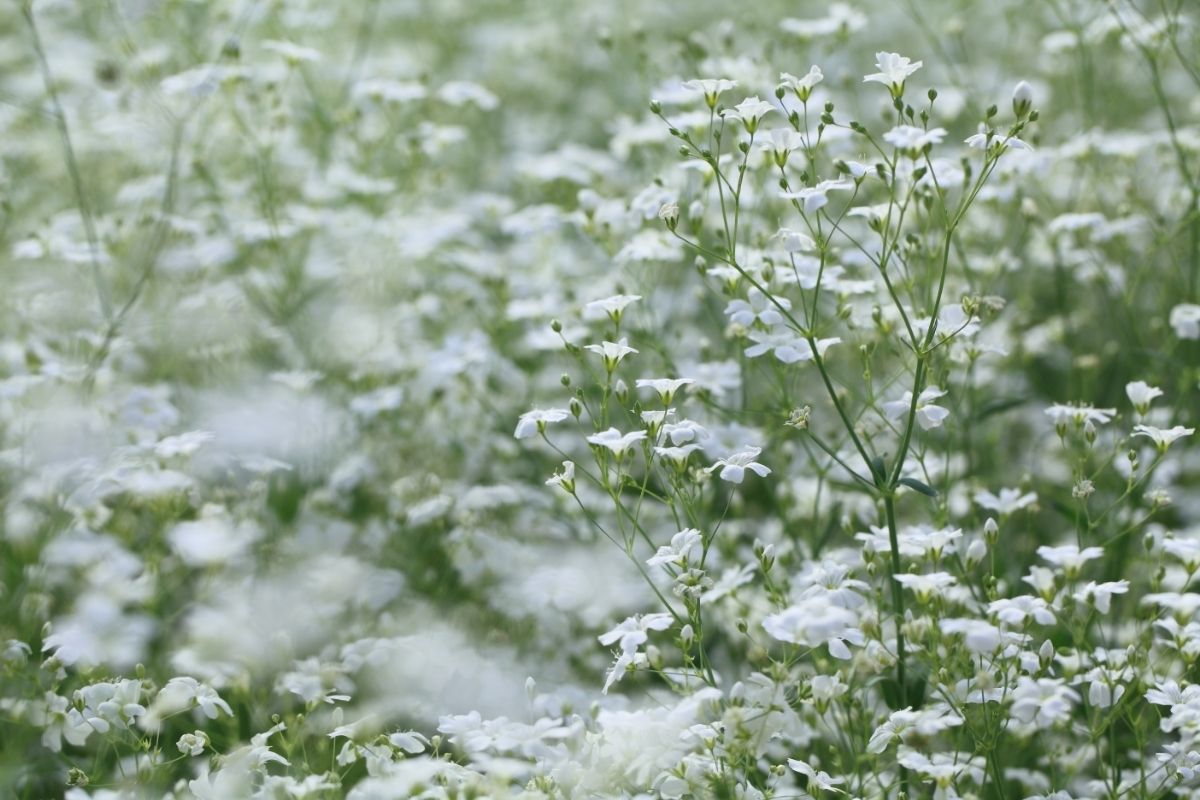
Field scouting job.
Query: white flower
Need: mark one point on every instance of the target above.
(1185, 319)
(1101, 593)
(733, 467)
(711, 88)
(816, 778)
(1022, 99)
(780, 143)
(534, 422)
(894, 69)
(410, 742)
(1062, 413)
(192, 744)
(611, 352)
(815, 622)
(802, 86)
(1186, 550)
(565, 479)
(796, 242)
(925, 587)
(912, 139)
(631, 634)
(665, 387)
(1141, 394)
(182, 693)
(989, 141)
(612, 307)
(908, 723)
(756, 306)
(614, 440)
(677, 455)
(1044, 702)
(682, 545)
(750, 111)
(1163, 438)
(1069, 556)
(979, 636)
(1008, 501)
(787, 346)
(1015, 611)
(928, 415)
(814, 198)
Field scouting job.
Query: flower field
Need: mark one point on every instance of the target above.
(578, 399)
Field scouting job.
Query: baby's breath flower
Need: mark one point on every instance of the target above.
(814, 198)
(1062, 413)
(926, 587)
(665, 387)
(750, 111)
(908, 724)
(1163, 438)
(711, 88)
(534, 422)
(565, 479)
(894, 70)
(683, 545)
(669, 214)
(787, 346)
(815, 622)
(757, 307)
(818, 780)
(1015, 611)
(1044, 702)
(611, 307)
(192, 744)
(1069, 557)
(733, 467)
(929, 415)
(780, 143)
(615, 441)
(1022, 99)
(1100, 594)
(1185, 320)
(1007, 502)
(611, 352)
(912, 140)
(1141, 394)
(802, 87)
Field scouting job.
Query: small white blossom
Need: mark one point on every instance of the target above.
(531, 423)
(894, 70)
(1163, 438)
(929, 415)
(733, 467)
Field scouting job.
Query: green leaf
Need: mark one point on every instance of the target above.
(923, 488)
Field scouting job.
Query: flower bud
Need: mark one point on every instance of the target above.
(991, 531)
(1022, 100)
(976, 552)
(669, 213)
(1046, 653)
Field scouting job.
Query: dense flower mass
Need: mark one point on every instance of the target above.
(534, 401)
